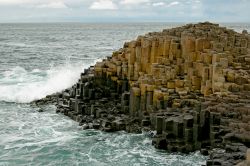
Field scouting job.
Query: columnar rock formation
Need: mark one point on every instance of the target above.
(191, 84)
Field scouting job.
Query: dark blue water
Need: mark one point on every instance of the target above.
(40, 59)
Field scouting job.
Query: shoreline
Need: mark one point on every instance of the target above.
(190, 84)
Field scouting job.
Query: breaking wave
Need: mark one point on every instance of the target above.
(22, 86)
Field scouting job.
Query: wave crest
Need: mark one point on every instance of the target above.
(22, 86)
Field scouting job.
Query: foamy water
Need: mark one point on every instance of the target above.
(48, 138)
(22, 86)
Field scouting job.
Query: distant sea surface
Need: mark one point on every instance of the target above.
(40, 59)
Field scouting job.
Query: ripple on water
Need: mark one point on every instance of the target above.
(47, 138)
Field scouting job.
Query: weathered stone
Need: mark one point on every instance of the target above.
(134, 104)
(197, 135)
(159, 143)
(159, 124)
(248, 155)
(188, 133)
(188, 121)
(192, 82)
(168, 123)
(178, 128)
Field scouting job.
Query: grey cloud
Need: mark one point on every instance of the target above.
(141, 10)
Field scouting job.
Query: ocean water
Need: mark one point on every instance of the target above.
(40, 59)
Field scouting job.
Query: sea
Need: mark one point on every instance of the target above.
(43, 58)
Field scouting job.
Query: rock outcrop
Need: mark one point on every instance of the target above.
(190, 84)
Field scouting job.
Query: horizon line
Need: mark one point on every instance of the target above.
(119, 22)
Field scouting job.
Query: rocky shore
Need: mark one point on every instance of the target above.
(190, 84)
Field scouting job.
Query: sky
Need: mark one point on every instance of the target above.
(124, 10)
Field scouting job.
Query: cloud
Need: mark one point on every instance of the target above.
(54, 5)
(130, 10)
(173, 4)
(13, 2)
(133, 2)
(158, 4)
(103, 5)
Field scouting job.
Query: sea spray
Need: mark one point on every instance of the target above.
(22, 86)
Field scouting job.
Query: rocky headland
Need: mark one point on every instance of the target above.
(190, 84)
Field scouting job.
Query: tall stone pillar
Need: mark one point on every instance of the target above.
(134, 104)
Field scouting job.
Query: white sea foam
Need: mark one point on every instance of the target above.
(21, 86)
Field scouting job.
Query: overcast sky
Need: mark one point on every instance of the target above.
(124, 10)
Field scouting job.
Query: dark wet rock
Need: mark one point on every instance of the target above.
(50, 99)
(204, 152)
(40, 110)
(85, 126)
(96, 125)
